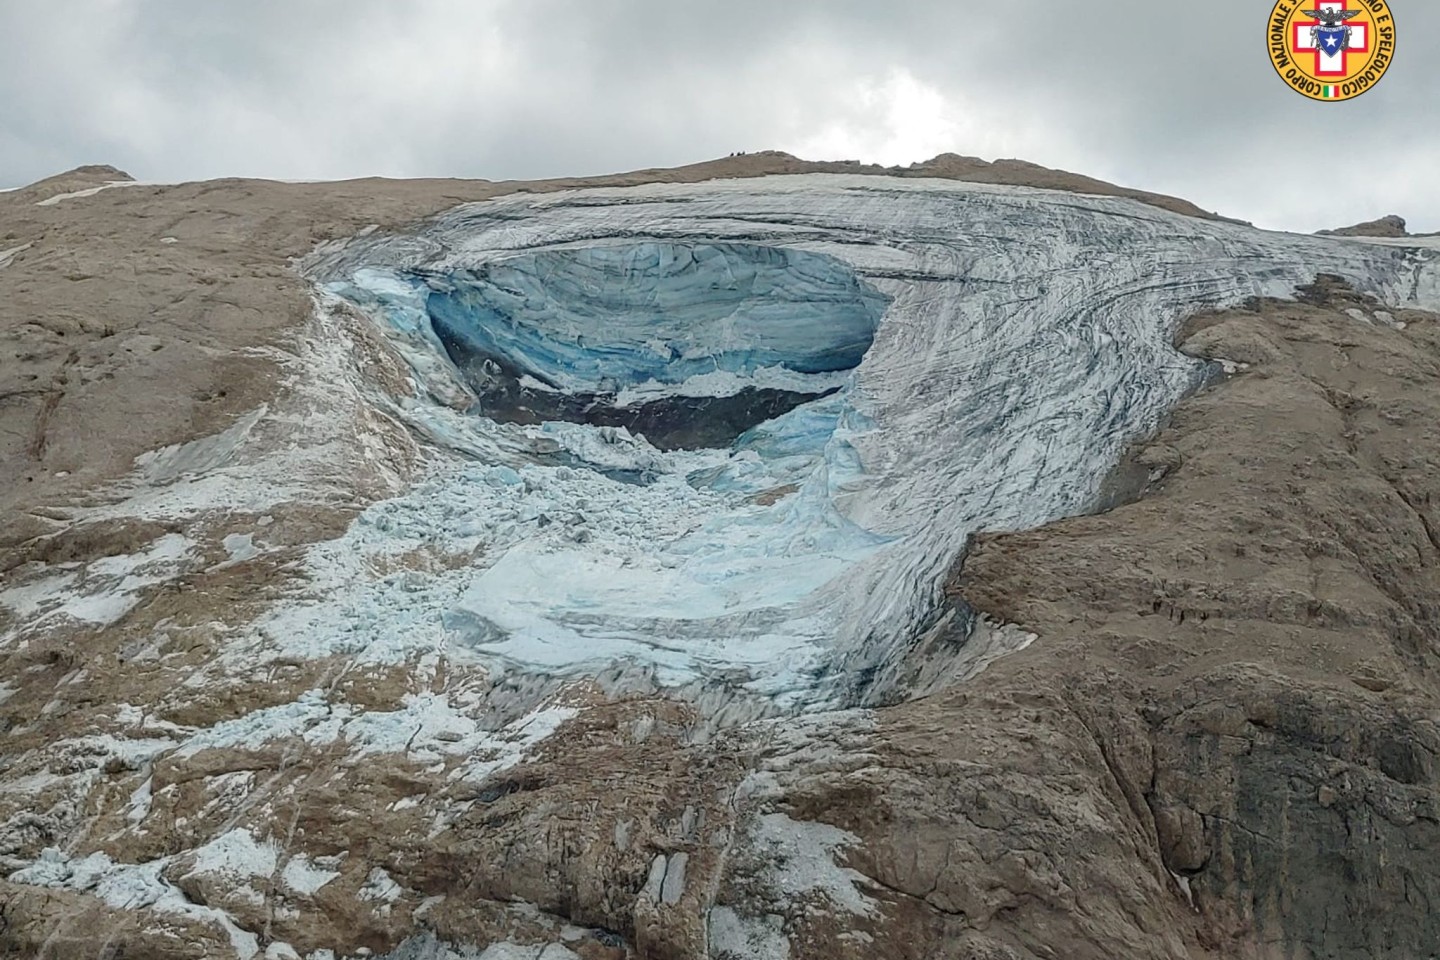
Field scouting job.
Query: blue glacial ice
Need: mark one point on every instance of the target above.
(658, 312)
(977, 356)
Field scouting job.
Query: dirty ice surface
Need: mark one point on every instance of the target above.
(974, 357)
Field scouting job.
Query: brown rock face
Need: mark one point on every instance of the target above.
(1220, 741)
(1388, 226)
(1266, 618)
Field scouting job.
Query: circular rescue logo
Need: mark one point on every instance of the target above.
(1331, 50)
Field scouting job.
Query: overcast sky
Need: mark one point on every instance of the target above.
(1174, 97)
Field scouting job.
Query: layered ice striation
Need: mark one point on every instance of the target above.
(658, 312)
(687, 343)
(737, 432)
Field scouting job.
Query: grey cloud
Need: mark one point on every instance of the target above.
(1172, 97)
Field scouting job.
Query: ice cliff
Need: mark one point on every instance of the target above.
(737, 432)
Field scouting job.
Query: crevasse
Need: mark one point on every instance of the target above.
(898, 364)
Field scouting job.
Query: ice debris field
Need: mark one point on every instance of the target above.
(739, 431)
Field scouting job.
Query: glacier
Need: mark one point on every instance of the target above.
(851, 377)
(659, 311)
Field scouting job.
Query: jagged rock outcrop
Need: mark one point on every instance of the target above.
(1387, 226)
(1204, 726)
(73, 183)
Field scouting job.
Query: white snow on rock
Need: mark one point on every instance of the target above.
(428, 728)
(88, 192)
(8, 256)
(140, 801)
(799, 860)
(198, 456)
(753, 938)
(380, 886)
(301, 875)
(279, 453)
(99, 593)
(802, 856)
(236, 854)
(241, 547)
(131, 886)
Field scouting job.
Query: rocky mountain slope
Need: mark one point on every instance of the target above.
(1015, 574)
(1387, 226)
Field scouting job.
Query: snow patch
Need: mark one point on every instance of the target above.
(379, 886)
(428, 727)
(802, 861)
(236, 854)
(179, 460)
(753, 938)
(101, 750)
(241, 548)
(8, 256)
(130, 886)
(101, 592)
(89, 192)
(302, 876)
(139, 806)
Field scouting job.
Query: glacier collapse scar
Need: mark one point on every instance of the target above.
(838, 380)
(672, 341)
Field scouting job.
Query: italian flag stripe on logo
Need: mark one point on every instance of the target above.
(1331, 93)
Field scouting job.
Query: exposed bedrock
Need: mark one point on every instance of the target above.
(1254, 643)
